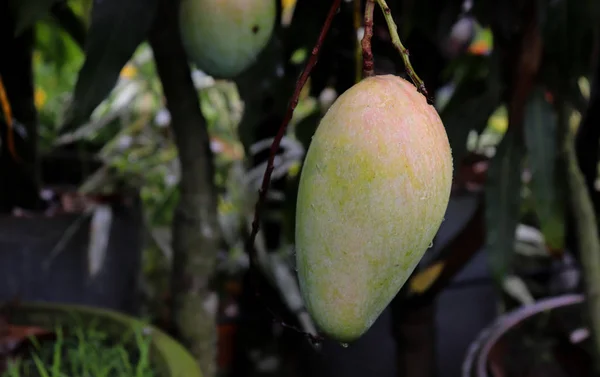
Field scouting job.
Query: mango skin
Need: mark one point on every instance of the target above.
(224, 37)
(373, 192)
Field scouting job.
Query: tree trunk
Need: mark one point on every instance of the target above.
(196, 233)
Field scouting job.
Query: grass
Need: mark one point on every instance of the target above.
(84, 352)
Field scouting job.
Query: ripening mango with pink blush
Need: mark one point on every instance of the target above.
(373, 191)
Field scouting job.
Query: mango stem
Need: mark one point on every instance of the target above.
(367, 53)
(393, 28)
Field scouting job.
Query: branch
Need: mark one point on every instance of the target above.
(196, 233)
(262, 193)
(401, 49)
(368, 64)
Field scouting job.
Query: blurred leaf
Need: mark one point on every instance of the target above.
(542, 148)
(57, 48)
(27, 12)
(100, 227)
(503, 198)
(117, 29)
(470, 108)
(568, 28)
(516, 287)
(424, 279)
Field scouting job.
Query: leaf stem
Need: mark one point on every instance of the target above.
(393, 28)
(368, 64)
(262, 193)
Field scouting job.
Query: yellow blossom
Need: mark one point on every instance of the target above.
(128, 71)
(40, 97)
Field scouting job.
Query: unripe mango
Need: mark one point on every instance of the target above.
(224, 37)
(373, 191)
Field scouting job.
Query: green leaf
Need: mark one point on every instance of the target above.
(503, 199)
(27, 12)
(117, 28)
(543, 148)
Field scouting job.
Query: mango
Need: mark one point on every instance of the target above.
(373, 191)
(224, 37)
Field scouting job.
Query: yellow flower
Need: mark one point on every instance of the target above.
(128, 71)
(287, 4)
(287, 11)
(40, 98)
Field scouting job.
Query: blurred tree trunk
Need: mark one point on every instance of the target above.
(196, 233)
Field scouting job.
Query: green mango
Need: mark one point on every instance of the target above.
(224, 37)
(373, 192)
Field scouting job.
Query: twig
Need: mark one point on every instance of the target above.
(400, 47)
(368, 64)
(358, 48)
(262, 193)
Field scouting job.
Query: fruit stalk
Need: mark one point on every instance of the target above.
(262, 193)
(400, 47)
(368, 64)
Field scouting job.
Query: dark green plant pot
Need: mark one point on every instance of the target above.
(169, 357)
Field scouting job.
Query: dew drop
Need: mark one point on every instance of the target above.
(431, 245)
(345, 345)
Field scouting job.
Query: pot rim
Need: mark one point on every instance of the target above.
(478, 351)
(177, 360)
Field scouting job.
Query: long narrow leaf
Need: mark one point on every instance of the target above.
(503, 199)
(118, 27)
(542, 148)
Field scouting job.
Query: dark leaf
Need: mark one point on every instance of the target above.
(117, 29)
(542, 148)
(568, 28)
(503, 199)
(470, 108)
(27, 12)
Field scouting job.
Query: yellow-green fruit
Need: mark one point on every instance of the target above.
(373, 192)
(224, 37)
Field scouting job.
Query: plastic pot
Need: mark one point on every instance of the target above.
(496, 350)
(169, 357)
